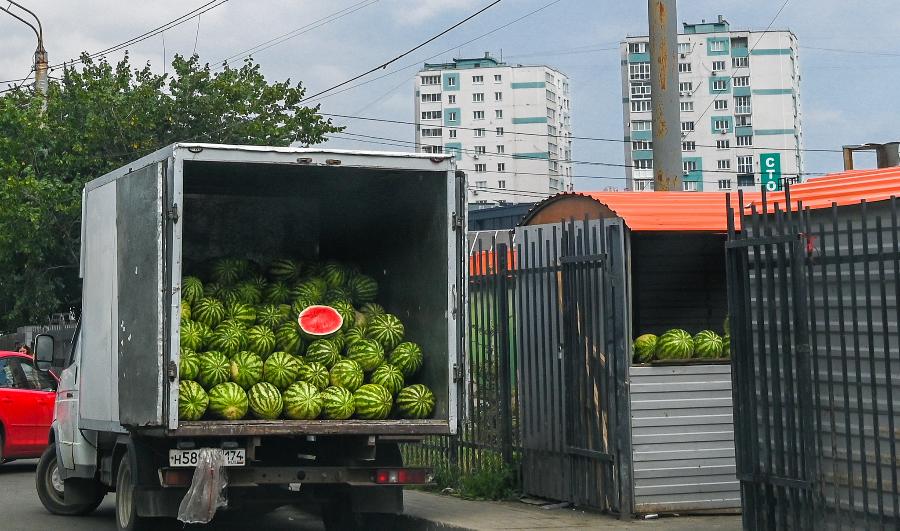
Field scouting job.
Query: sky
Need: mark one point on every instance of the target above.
(849, 56)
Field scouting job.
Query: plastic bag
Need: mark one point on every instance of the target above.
(207, 491)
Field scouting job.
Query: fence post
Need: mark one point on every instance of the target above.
(502, 302)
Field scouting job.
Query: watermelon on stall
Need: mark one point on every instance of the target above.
(314, 373)
(337, 403)
(228, 401)
(347, 374)
(407, 357)
(214, 369)
(191, 289)
(302, 401)
(281, 370)
(188, 364)
(386, 329)
(319, 322)
(368, 353)
(675, 344)
(372, 402)
(264, 400)
(388, 376)
(322, 351)
(192, 400)
(645, 348)
(246, 369)
(708, 345)
(415, 402)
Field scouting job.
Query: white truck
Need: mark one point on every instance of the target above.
(116, 426)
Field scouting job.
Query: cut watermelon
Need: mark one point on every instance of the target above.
(317, 322)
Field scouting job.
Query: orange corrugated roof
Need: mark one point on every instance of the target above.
(692, 211)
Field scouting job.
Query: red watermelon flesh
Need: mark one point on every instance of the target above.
(320, 321)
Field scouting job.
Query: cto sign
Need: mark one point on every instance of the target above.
(770, 167)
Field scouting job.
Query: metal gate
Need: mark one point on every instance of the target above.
(572, 330)
(813, 299)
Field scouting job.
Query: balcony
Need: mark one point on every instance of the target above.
(642, 174)
(743, 110)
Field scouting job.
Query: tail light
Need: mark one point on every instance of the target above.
(176, 477)
(402, 476)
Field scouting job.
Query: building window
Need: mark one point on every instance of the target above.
(480, 184)
(431, 132)
(548, 77)
(640, 106)
(637, 47)
(480, 150)
(498, 114)
(431, 80)
(687, 127)
(689, 145)
(745, 141)
(551, 130)
(479, 132)
(686, 88)
(551, 96)
(451, 116)
(452, 133)
(481, 168)
(638, 145)
(432, 149)
(641, 125)
(720, 125)
(501, 166)
(720, 85)
(451, 98)
(720, 105)
(687, 106)
(745, 164)
(717, 46)
(742, 105)
(689, 166)
(478, 97)
(746, 180)
(718, 66)
(684, 47)
(499, 131)
(478, 115)
(451, 81)
(724, 184)
(433, 115)
(723, 164)
(740, 62)
(743, 120)
(498, 78)
(498, 96)
(723, 144)
(640, 91)
(428, 98)
(742, 81)
(500, 148)
(643, 164)
(639, 71)
(551, 114)
(690, 186)
(684, 68)
(478, 80)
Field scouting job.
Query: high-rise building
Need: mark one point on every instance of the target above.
(740, 108)
(509, 126)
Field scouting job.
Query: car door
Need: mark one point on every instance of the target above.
(15, 412)
(42, 392)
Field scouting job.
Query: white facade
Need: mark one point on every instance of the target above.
(509, 126)
(740, 106)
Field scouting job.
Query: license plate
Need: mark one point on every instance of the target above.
(233, 457)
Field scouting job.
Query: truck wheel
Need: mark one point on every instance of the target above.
(50, 488)
(127, 518)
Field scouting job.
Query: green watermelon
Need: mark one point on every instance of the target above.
(335, 274)
(192, 400)
(278, 293)
(347, 374)
(348, 313)
(300, 305)
(185, 310)
(239, 311)
(339, 341)
(214, 369)
(337, 403)
(386, 329)
(205, 334)
(211, 290)
(284, 269)
(388, 376)
(191, 336)
(708, 345)
(188, 365)
(314, 373)
(249, 293)
(228, 340)
(371, 309)
(246, 369)
(231, 325)
(228, 401)
(261, 340)
(368, 353)
(312, 290)
(322, 351)
(229, 270)
(191, 289)
(363, 288)
(415, 402)
(337, 294)
(353, 335)
(281, 370)
(317, 322)
(265, 401)
(675, 344)
(644, 348)
(302, 401)
(726, 346)
(209, 311)
(287, 338)
(407, 357)
(229, 296)
(269, 315)
(259, 281)
(372, 402)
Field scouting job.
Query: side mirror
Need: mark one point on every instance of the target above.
(43, 348)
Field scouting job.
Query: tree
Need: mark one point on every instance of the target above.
(98, 118)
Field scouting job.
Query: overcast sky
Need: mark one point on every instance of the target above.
(847, 95)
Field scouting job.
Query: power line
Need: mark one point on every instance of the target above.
(404, 54)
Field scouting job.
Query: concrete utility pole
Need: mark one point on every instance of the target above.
(667, 167)
(41, 60)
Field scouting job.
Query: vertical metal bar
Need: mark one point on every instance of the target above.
(664, 89)
(539, 362)
(503, 353)
(523, 353)
(888, 374)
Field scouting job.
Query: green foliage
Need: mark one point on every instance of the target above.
(492, 480)
(100, 117)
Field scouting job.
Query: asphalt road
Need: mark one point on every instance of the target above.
(20, 510)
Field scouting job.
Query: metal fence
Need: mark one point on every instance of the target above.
(813, 298)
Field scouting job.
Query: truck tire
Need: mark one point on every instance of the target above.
(50, 488)
(127, 518)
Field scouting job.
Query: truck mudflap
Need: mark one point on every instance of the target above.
(224, 428)
(180, 477)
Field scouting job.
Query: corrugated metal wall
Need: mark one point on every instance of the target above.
(683, 439)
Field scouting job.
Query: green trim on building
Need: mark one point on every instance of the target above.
(741, 91)
(711, 40)
(530, 120)
(774, 132)
(627, 138)
(740, 52)
(447, 120)
(729, 119)
(642, 135)
(743, 130)
(529, 84)
(771, 51)
(707, 27)
(695, 175)
(773, 92)
(450, 147)
(642, 154)
(639, 58)
(446, 84)
(712, 81)
(537, 155)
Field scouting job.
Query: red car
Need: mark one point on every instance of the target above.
(27, 397)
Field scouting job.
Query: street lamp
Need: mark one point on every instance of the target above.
(41, 63)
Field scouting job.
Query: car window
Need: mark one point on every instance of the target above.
(37, 379)
(14, 376)
(6, 378)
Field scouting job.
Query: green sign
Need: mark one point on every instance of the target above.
(770, 168)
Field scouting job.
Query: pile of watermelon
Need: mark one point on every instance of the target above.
(294, 340)
(678, 344)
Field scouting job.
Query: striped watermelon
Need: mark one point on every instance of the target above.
(249, 293)
(334, 274)
(347, 374)
(645, 348)
(368, 353)
(259, 281)
(407, 357)
(300, 305)
(265, 401)
(708, 345)
(312, 290)
(228, 340)
(261, 340)
(229, 295)
(386, 329)
(214, 369)
(229, 325)
(205, 334)
(188, 365)
(337, 294)
(284, 269)
(363, 288)
(278, 293)
(210, 290)
(269, 315)
(185, 310)
(287, 338)
(229, 270)
(388, 376)
(192, 400)
(726, 346)
(339, 341)
(281, 370)
(246, 369)
(243, 312)
(314, 373)
(415, 402)
(208, 311)
(302, 401)
(191, 289)
(675, 344)
(353, 335)
(317, 322)
(337, 403)
(191, 335)
(228, 401)
(348, 313)
(371, 309)
(322, 351)
(372, 402)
